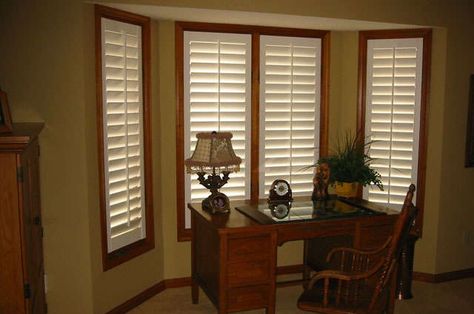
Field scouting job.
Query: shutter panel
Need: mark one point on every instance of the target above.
(123, 133)
(217, 97)
(290, 89)
(393, 99)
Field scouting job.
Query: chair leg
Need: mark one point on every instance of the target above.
(392, 293)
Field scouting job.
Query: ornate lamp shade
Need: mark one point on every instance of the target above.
(214, 155)
(213, 152)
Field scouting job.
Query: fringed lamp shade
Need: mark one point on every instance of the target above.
(213, 153)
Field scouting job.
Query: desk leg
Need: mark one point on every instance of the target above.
(405, 270)
(195, 292)
(306, 268)
(194, 284)
(270, 310)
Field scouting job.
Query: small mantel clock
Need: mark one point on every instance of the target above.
(280, 191)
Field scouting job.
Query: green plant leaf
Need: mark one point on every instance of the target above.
(349, 161)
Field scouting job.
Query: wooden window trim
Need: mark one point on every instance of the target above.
(119, 256)
(255, 31)
(426, 34)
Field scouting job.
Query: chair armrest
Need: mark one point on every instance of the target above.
(356, 251)
(343, 275)
(332, 274)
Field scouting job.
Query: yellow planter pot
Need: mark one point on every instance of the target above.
(346, 189)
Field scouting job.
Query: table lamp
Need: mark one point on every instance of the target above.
(214, 156)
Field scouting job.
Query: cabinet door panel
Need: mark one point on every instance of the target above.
(32, 229)
(11, 275)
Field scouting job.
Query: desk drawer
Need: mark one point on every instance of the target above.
(246, 298)
(248, 272)
(249, 248)
(302, 231)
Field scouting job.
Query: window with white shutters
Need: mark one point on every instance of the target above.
(217, 97)
(290, 84)
(125, 177)
(123, 132)
(392, 115)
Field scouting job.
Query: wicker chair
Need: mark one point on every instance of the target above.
(362, 281)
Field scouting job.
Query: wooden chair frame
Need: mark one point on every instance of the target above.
(358, 270)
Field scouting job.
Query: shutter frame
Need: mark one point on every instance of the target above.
(122, 232)
(302, 97)
(230, 91)
(119, 256)
(397, 188)
(124, 91)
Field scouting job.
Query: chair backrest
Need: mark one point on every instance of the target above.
(400, 235)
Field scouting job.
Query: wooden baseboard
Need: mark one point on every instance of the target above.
(139, 298)
(442, 277)
(281, 270)
(423, 277)
(149, 293)
(290, 269)
(179, 283)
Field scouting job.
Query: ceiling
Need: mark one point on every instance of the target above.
(254, 18)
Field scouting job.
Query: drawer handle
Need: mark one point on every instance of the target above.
(37, 220)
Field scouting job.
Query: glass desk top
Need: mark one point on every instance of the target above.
(305, 210)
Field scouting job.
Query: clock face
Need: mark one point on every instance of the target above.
(281, 211)
(281, 188)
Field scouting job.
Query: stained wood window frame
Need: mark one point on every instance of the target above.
(426, 35)
(127, 252)
(183, 233)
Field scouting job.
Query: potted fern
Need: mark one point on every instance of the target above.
(349, 165)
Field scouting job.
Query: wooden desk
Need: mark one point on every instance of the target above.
(234, 257)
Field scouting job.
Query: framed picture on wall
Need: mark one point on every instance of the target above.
(470, 127)
(5, 117)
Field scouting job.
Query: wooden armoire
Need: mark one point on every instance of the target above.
(21, 245)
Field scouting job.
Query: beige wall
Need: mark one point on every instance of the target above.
(42, 69)
(456, 214)
(47, 68)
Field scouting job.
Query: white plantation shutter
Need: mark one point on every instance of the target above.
(393, 99)
(217, 97)
(123, 132)
(290, 87)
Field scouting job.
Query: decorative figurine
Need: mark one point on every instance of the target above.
(321, 182)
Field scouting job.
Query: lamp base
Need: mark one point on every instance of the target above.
(216, 203)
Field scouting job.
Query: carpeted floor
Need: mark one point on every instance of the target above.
(453, 297)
